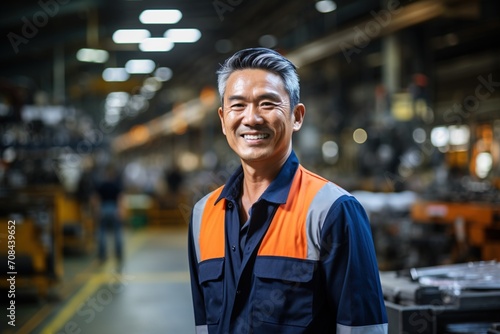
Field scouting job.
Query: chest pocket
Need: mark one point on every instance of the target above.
(210, 275)
(284, 291)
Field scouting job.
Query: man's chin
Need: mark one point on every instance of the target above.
(254, 155)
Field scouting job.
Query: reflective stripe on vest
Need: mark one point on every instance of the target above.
(208, 221)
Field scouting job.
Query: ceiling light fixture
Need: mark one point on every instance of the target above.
(159, 44)
(115, 74)
(123, 36)
(92, 55)
(117, 99)
(183, 35)
(160, 16)
(163, 73)
(152, 84)
(326, 6)
(140, 66)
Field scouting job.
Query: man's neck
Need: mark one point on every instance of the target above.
(257, 178)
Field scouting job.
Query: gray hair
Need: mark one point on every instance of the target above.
(265, 59)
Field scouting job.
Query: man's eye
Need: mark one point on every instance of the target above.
(237, 106)
(267, 104)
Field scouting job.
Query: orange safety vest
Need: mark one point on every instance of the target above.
(287, 235)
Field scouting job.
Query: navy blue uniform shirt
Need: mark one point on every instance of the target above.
(248, 287)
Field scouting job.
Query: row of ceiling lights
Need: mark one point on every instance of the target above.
(116, 101)
(145, 42)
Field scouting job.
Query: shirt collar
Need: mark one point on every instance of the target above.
(278, 190)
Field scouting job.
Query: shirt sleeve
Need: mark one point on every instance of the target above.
(196, 291)
(350, 269)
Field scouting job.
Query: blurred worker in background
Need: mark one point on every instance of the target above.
(278, 249)
(108, 203)
(174, 179)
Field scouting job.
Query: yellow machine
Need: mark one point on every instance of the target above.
(77, 223)
(37, 261)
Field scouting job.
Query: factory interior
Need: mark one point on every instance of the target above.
(403, 111)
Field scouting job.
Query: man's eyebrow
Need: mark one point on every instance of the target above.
(270, 96)
(266, 96)
(235, 97)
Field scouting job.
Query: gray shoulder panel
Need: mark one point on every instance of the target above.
(316, 216)
(198, 209)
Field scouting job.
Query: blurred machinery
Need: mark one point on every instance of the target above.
(459, 298)
(38, 238)
(472, 224)
(40, 191)
(77, 223)
(463, 204)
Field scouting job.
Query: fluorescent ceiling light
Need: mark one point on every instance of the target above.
(112, 111)
(117, 99)
(140, 66)
(152, 84)
(183, 35)
(115, 74)
(123, 36)
(112, 119)
(92, 55)
(160, 16)
(163, 73)
(326, 6)
(156, 44)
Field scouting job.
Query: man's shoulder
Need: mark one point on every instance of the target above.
(329, 189)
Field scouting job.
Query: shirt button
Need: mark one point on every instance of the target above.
(229, 205)
(238, 292)
(233, 248)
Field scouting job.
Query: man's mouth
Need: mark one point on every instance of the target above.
(256, 137)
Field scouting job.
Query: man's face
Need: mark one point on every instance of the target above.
(256, 116)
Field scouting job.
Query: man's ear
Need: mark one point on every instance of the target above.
(298, 116)
(221, 117)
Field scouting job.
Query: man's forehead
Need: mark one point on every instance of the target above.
(245, 76)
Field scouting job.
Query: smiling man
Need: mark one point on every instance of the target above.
(278, 249)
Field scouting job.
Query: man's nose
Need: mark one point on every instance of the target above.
(252, 115)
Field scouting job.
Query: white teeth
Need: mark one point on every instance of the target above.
(255, 137)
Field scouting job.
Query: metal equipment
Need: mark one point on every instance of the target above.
(459, 298)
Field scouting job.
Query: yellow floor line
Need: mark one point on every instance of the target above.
(29, 326)
(65, 291)
(70, 308)
(96, 280)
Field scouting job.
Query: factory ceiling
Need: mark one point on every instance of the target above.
(41, 39)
